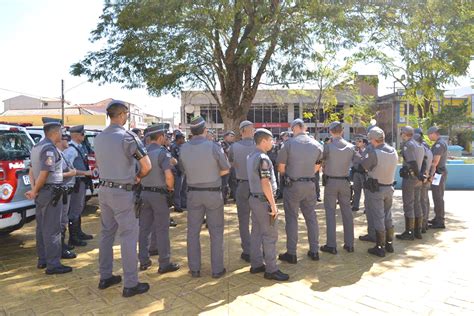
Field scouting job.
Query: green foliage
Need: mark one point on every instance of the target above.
(222, 46)
(431, 38)
(452, 116)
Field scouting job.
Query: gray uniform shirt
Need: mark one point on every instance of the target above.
(67, 181)
(300, 154)
(46, 157)
(338, 156)
(160, 162)
(260, 166)
(202, 160)
(413, 151)
(440, 148)
(238, 153)
(114, 150)
(381, 163)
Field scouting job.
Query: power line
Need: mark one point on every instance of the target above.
(27, 94)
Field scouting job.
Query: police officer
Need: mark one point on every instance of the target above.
(157, 189)
(229, 138)
(338, 155)
(262, 183)
(298, 160)
(358, 177)
(77, 156)
(47, 191)
(380, 162)
(425, 186)
(69, 181)
(440, 152)
(238, 153)
(412, 154)
(203, 163)
(116, 152)
(179, 179)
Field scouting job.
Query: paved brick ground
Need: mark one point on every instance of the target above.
(432, 276)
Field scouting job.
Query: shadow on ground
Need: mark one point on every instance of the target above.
(28, 290)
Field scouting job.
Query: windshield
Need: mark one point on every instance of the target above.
(14, 145)
(89, 143)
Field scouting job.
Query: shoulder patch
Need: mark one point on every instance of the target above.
(50, 154)
(264, 164)
(49, 161)
(168, 155)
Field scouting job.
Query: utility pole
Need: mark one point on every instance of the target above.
(62, 100)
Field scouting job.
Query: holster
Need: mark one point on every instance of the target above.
(324, 179)
(77, 185)
(137, 207)
(170, 198)
(58, 192)
(372, 185)
(404, 173)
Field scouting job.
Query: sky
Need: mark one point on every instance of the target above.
(41, 39)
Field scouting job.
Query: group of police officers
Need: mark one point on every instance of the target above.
(138, 185)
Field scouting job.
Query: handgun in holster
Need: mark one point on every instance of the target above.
(170, 198)
(137, 207)
(372, 185)
(58, 192)
(324, 179)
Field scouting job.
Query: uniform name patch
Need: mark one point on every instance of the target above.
(168, 155)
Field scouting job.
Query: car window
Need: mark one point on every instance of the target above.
(14, 145)
(36, 137)
(89, 143)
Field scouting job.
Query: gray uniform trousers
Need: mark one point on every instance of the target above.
(411, 189)
(117, 215)
(338, 190)
(301, 195)
(437, 191)
(380, 205)
(179, 191)
(425, 200)
(65, 213)
(154, 215)
(78, 200)
(48, 229)
(263, 234)
(358, 184)
(243, 212)
(370, 217)
(210, 204)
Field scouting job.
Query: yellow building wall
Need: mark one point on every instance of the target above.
(70, 120)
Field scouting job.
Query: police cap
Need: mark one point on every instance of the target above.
(334, 125)
(408, 130)
(114, 103)
(432, 130)
(295, 122)
(376, 133)
(229, 133)
(77, 129)
(263, 131)
(155, 129)
(244, 124)
(49, 121)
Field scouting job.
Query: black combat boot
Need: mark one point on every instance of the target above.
(74, 236)
(81, 234)
(424, 228)
(389, 240)
(65, 252)
(408, 234)
(378, 250)
(418, 227)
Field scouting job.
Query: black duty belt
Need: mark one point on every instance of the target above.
(155, 189)
(242, 180)
(304, 180)
(215, 189)
(123, 186)
(261, 197)
(339, 178)
(385, 185)
(49, 186)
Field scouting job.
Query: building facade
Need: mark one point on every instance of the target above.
(275, 109)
